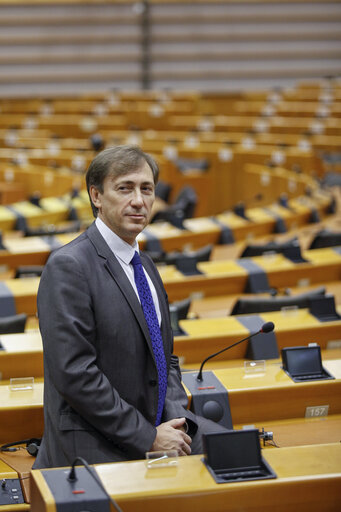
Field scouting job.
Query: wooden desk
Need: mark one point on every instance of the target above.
(198, 232)
(217, 307)
(254, 398)
(33, 250)
(209, 335)
(24, 292)
(301, 431)
(217, 278)
(221, 277)
(22, 355)
(309, 480)
(273, 395)
(21, 412)
(293, 431)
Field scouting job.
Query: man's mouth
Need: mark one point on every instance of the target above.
(136, 215)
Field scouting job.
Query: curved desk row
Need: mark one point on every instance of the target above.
(77, 125)
(53, 210)
(43, 139)
(267, 396)
(204, 337)
(216, 278)
(308, 479)
(232, 276)
(197, 232)
(218, 188)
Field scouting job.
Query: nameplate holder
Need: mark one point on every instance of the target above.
(254, 367)
(21, 384)
(161, 459)
(289, 311)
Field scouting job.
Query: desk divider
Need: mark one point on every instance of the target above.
(152, 242)
(52, 242)
(264, 345)
(280, 226)
(257, 278)
(21, 222)
(314, 216)
(226, 233)
(7, 303)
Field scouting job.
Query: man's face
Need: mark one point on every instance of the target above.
(126, 202)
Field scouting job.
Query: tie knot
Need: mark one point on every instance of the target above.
(136, 260)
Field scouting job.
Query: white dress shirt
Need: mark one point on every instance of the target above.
(124, 253)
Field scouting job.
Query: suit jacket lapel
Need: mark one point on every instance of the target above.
(115, 270)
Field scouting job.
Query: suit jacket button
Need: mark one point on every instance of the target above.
(152, 382)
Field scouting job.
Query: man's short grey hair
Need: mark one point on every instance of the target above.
(117, 161)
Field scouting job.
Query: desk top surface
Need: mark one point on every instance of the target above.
(296, 319)
(10, 399)
(190, 475)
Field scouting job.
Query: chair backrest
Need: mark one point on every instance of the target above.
(72, 227)
(178, 311)
(245, 306)
(13, 324)
(28, 271)
(182, 308)
(326, 238)
(187, 262)
(259, 249)
(163, 190)
(186, 200)
(192, 164)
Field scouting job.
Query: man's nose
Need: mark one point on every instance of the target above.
(137, 198)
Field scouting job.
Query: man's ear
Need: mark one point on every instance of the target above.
(95, 196)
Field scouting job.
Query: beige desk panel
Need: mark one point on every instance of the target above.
(24, 292)
(23, 355)
(205, 337)
(273, 395)
(208, 335)
(301, 431)
(268, 396)
(309, 479)
(21, 412)
(227, 277)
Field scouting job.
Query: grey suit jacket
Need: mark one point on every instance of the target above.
(101, 391)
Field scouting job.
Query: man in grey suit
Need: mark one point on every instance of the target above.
(101, 378)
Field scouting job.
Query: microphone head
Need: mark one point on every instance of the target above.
(268, 327)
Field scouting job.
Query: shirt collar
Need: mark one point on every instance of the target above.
(119, 247)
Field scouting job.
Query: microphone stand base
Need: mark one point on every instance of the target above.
(209, 397)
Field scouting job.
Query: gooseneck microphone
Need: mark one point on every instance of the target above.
(267, 327)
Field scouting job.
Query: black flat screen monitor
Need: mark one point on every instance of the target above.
(304, 364)
(324, 308)
(235, 456)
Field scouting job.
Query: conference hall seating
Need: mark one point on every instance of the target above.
(192, 233)
(212, 278)
(300, 482)
(273, 154)
(254, 397)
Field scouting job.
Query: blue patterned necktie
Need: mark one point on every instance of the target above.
(150, 315)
